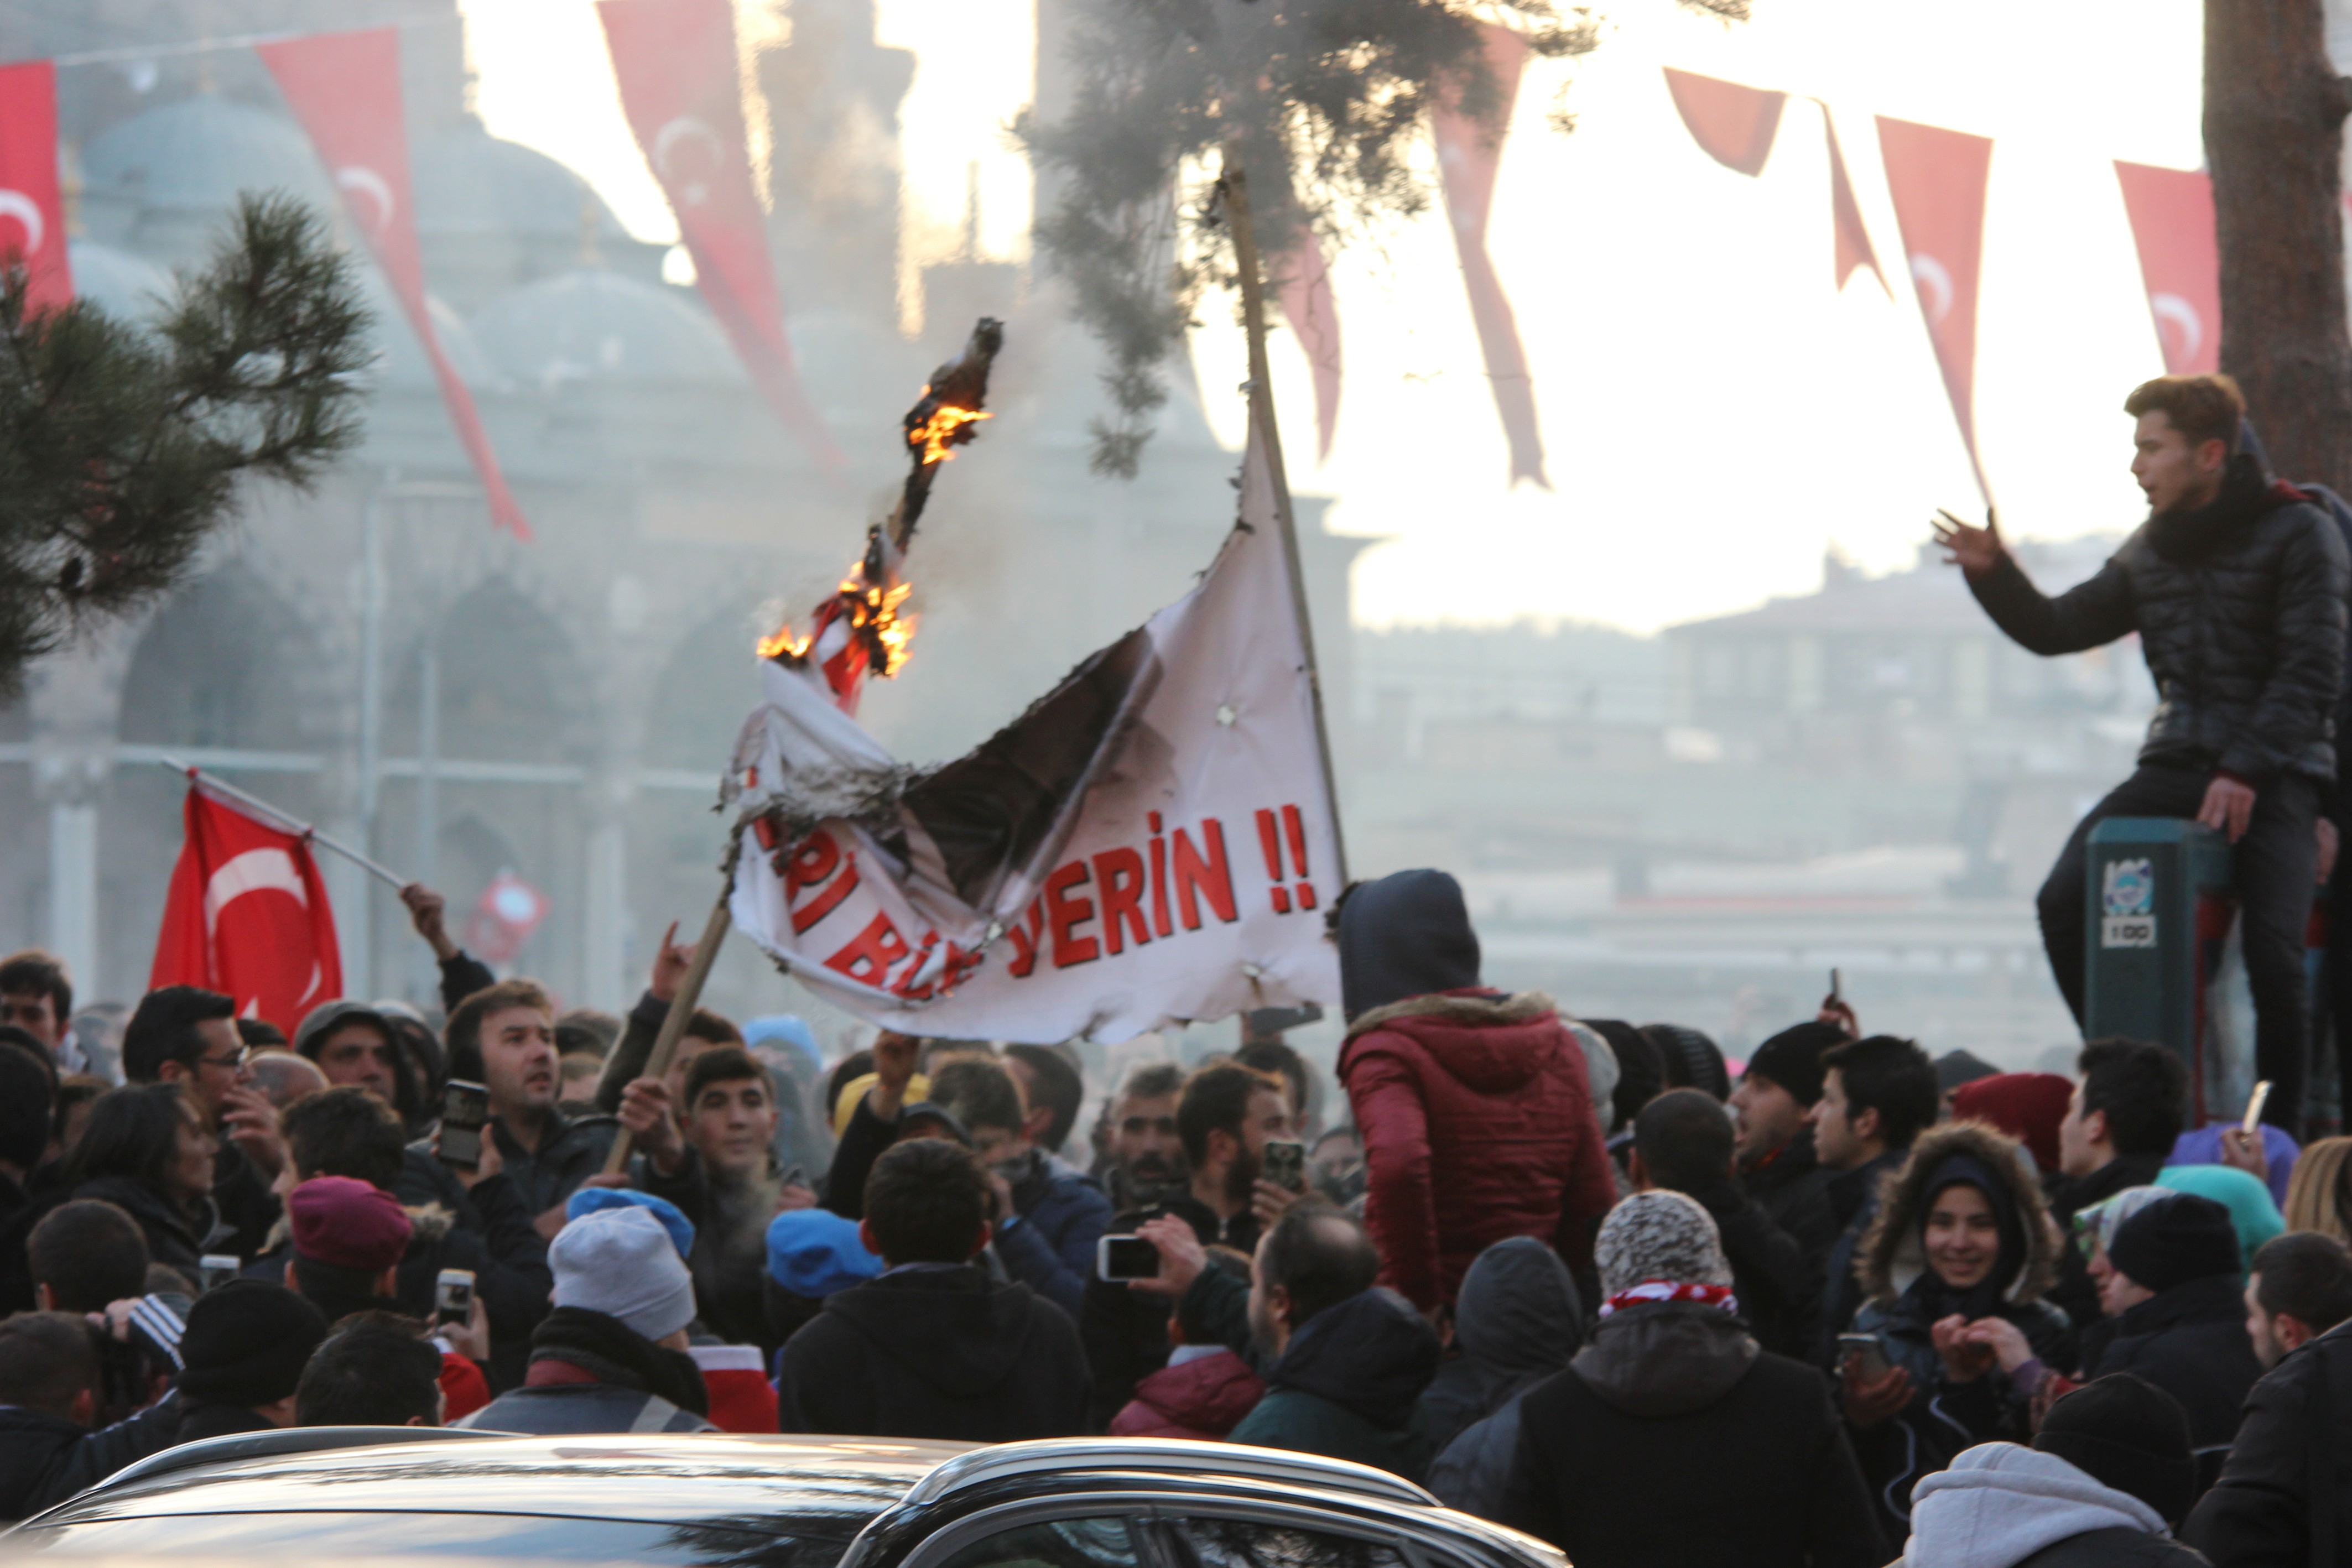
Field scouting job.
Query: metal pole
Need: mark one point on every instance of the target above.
(1235, 185)
(372, 654)
(286, 822)
(428, 757)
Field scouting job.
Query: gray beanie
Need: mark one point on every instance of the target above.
(621, 1262)
(1659, 1235)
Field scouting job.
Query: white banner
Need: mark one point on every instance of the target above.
(1151, 844)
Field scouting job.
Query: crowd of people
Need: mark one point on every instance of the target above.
(1865, 1302)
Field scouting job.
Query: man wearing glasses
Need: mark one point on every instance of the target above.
(186, 1035)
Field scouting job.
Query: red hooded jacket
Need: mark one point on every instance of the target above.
(1205, 1399)
(1477, 1124)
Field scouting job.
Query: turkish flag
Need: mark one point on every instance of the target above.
(32, 217)
(345, 89)
(1303, 284)
(247, 915)
(2179, 261)
(675, 61)
(1469, 157)
(1937, 180)
(1733, 125)
(1854, 246)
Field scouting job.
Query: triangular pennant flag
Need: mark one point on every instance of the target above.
(1303, 286)
(2179, 261)
(30, 204)
(1937, 179)
(1854, 247)
(1733, 125)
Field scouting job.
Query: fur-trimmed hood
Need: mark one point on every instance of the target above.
(1479, 1038)
(1471, 1009)
(1891, 1255)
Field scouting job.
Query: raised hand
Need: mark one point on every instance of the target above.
(1975, 550)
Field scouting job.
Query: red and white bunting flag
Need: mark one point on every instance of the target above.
(1854, 246)
(1937, 179)
(1151, 843)
(675, 61)
(247, 914)
(1469, 157)
(1303, 285)
(1733, 125)
(32, 216)
(345, 89)
(2179, 261)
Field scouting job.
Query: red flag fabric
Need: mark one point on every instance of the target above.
(32, 217)
(247, 915)
(1733, 125)
(1937, 180)
(1854, 247)
(1467, 158)
(1303, 284)
(2179, 261)
(345, 89)
(675, 61)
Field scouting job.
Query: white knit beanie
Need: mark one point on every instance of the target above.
(1659, 1235)
(622, 1263)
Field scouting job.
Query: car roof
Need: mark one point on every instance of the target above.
(688, 1477)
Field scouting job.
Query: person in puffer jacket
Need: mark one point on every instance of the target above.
(2105, 1482)
(2236, 587)
(1475, 1111)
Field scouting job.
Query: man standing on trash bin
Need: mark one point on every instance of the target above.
(2236, 586)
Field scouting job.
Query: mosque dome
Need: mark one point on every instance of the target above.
(117, 282)
(197, 154)
(469, 182)
(589, 325)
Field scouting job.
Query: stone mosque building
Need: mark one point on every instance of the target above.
(375, 658)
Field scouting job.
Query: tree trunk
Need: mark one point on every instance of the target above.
(2275, 112)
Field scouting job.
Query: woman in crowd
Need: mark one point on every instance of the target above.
(1954, 1267)
(2316, 1195)
(147, 1152)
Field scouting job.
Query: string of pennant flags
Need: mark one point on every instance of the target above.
(1937, 179)
(675, 64)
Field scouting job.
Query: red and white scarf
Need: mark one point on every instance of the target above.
(1669, 1291)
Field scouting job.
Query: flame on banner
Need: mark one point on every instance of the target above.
(945, 428)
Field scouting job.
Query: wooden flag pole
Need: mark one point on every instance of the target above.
(1234, 186)
(681, 1010)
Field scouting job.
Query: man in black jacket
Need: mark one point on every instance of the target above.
(188, 1035)
(2130, 1100)
(2236, 586)
(2298, 1429)
(1878, 1093)
(48, 1393)
(933, 1348)
(1683, 1142)
(1777, 1163)
(2170, 1282)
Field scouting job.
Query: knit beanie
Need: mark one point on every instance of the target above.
(1659, 1235)
(814, 1252)
(348, 1223)
(245, 1342)
(1792, 1058)
(622, 1263)
(2027, 1106)
(2128, 1434)
(2179, 1237)
(592, 1199)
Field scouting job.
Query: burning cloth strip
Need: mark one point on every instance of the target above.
(1148, 844)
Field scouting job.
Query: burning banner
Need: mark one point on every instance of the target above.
(1151, 843)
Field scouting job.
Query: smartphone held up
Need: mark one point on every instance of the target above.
(464, 1112)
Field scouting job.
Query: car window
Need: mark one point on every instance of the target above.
(1056, 1543)
(712, 1544)
(1245, 1543)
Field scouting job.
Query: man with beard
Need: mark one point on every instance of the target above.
(2236, 586)
(719, 1170)
(1206, 1189)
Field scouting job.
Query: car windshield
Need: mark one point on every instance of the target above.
(760, 1542)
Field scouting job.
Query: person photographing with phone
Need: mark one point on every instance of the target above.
(2236, 587)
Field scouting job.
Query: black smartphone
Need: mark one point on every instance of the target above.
(453, 1296)
(1865, 1351)
(1285, 1164)
(1837, 991)
(1122, 1257)
(215, 1270)
(465, 1111)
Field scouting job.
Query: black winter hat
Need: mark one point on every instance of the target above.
(246, 1343)
(1955, 1068)
(2179, 1237)
(1407, 934)
(1792, 1058)
(2128, 1434)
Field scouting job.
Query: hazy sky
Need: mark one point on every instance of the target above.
(1715, 414)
